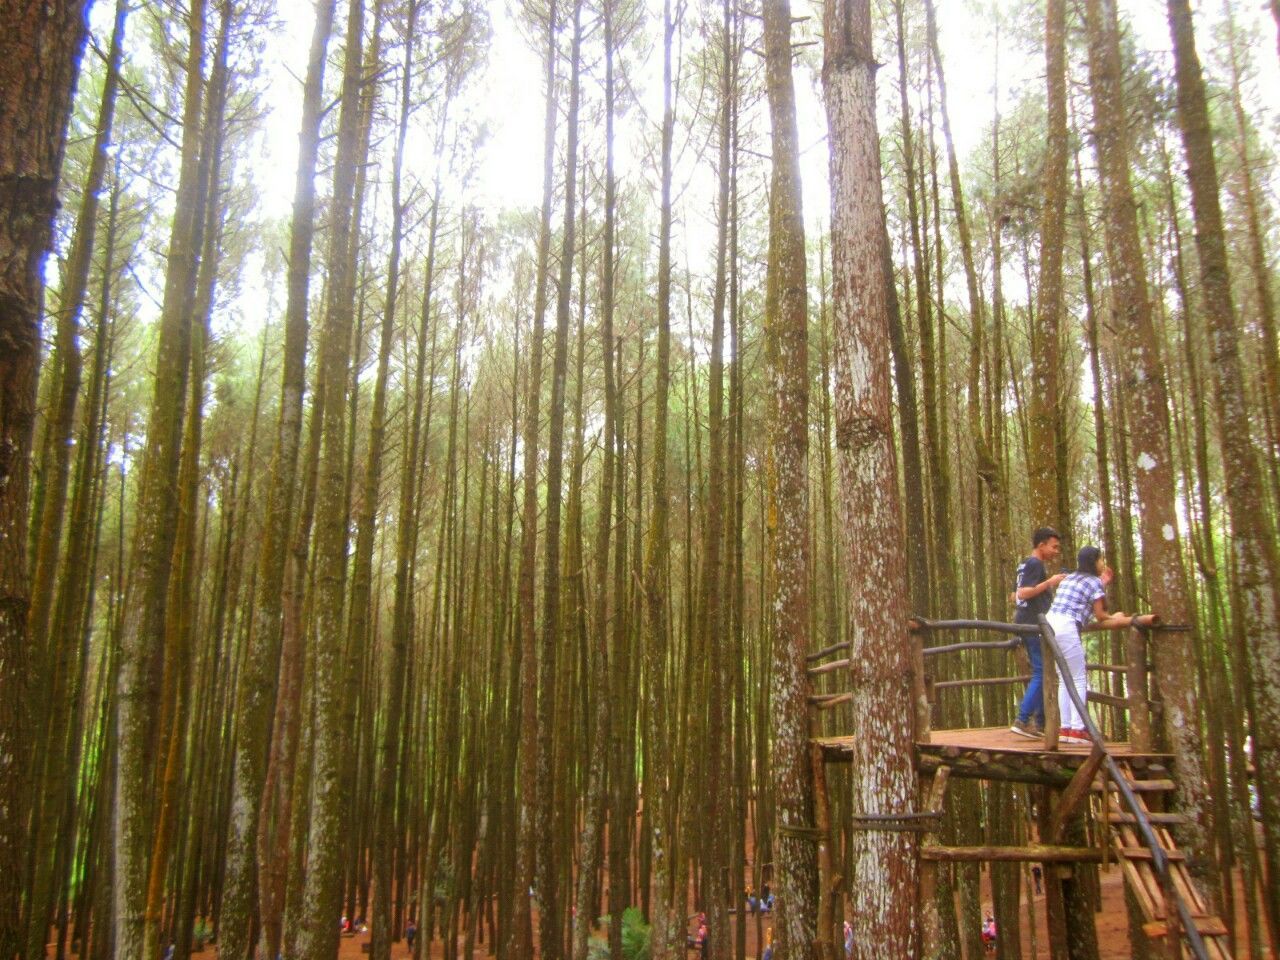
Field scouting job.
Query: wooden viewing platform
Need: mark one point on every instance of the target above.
(1107, 783)
(996, 753)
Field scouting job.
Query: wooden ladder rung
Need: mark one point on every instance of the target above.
(1142, 853)
(1208, 926)
(1159, 819)
(1138, 786)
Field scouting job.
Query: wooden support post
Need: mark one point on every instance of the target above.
(921, 693)
(1136, 682)
(1052, 715)
(827, 881)
(931, 928)
(1076, 792)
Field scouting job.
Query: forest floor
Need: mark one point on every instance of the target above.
(1112, 922)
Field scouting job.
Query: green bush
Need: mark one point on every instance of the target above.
(635, 938)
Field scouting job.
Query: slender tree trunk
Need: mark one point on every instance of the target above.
(384, 932)
(550, 939)
(142, 627)
(1148, 420)
(255, 703)
(883, 900)
(599, 734)
(1046, 338)
(786, 305)
(53, 655)
(318, 934)
(1252, 526)
(659, 790)
(938, 471)
(521, 944)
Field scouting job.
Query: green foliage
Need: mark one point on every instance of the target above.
(636, 938)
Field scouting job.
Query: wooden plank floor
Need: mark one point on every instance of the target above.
(995, 753)
(1006, 741)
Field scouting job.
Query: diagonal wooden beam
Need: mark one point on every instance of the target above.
(1074, 794)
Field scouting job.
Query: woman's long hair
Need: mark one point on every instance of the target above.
(1087, 560)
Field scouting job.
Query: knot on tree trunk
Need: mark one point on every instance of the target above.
(855, 434)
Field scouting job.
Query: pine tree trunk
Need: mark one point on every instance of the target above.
(883, 898)
(599, 735)
(255, 703)
(142, 626)
(520, 946)
(660, 793)
(786, 338)
(1252, 527)
(1046, 422)
(384, 930)
(321, 898)
(938, 472)
(550, 933)
(40, 46)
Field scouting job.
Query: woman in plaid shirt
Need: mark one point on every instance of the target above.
(1081, 596)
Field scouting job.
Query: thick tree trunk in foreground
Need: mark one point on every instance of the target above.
(40, 45)
(1252, 526)
(884, 895)
(1149, 422)
(787, 349)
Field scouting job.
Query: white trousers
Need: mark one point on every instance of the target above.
(1067, 635)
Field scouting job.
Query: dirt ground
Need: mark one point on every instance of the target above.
(1112, 922)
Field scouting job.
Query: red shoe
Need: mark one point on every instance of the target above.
(1074, 736)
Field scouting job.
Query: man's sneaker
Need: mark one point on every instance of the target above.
(1075, 736)
(1025, 728)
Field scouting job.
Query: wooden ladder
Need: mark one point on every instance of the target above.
(1135, 860)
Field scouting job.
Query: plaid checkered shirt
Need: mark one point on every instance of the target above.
(1075, 597)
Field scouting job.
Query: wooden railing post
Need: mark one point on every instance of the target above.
(1052, 715)
(920, 694)
(1136, 684)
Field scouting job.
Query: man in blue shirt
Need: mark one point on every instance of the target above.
(1033, 592)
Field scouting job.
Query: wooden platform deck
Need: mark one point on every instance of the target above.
(995, 753)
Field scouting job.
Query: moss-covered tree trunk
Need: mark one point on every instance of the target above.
(317, 933)
(255, 703)
(1252, 526)
(143, 614)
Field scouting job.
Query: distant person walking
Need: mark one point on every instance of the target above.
(1081, 596)
(1033, 595)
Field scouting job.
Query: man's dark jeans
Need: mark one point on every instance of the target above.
(1032, 707)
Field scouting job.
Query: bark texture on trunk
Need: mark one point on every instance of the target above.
(143, 615)
(787, 350)
(257, 693)
(1046, 338)
(321, 897)
(1252, 525)
(40, 46)
(1148, 417)
(884, 891)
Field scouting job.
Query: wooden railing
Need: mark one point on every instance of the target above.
(1100, 755)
